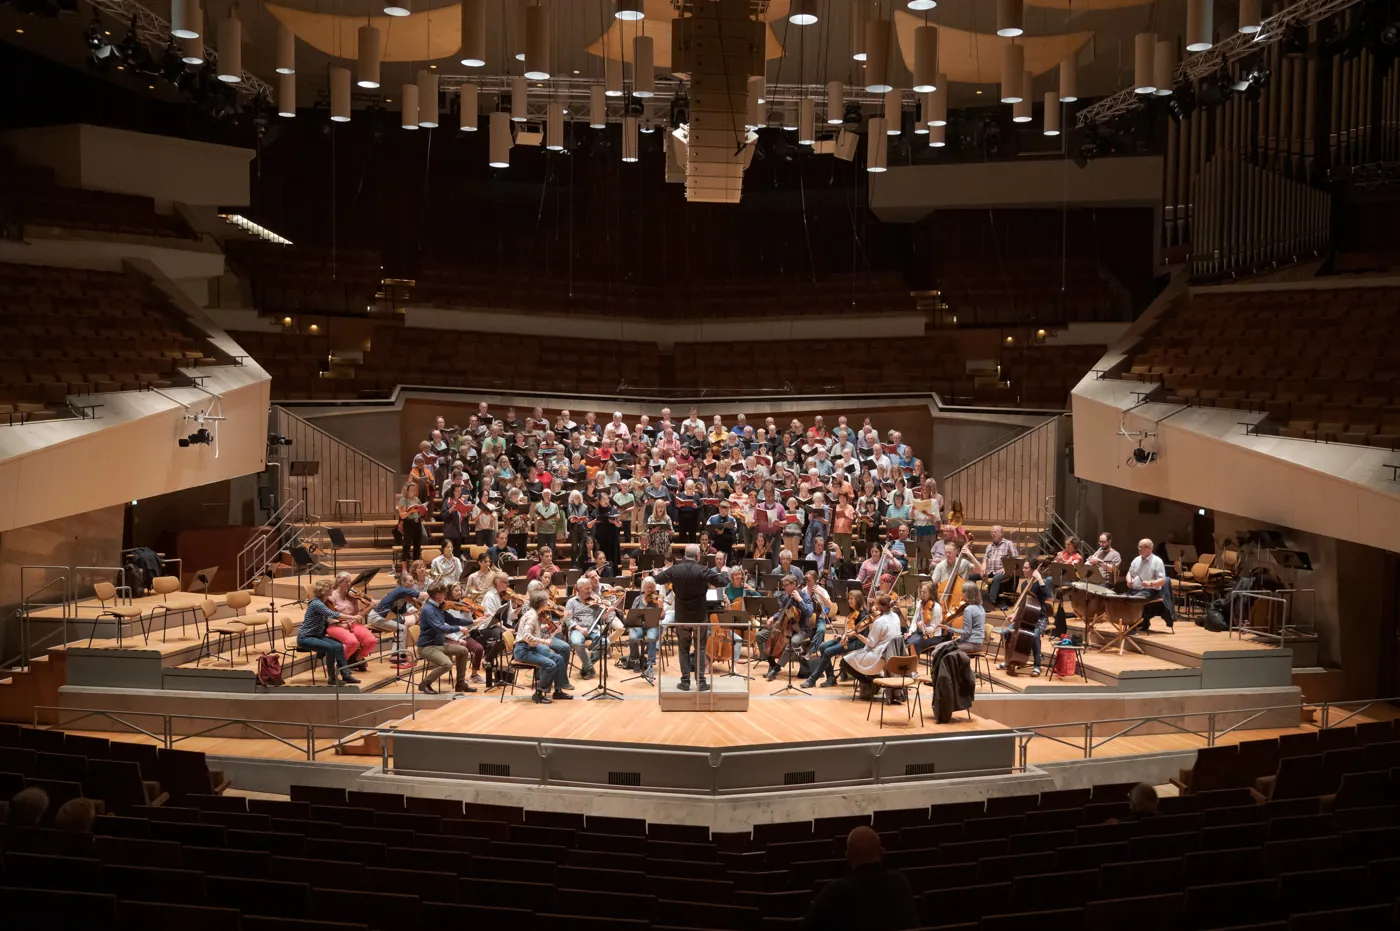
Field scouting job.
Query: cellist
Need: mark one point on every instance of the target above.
(1040, 590)
(792, 600)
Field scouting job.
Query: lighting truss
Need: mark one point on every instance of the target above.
(577, 90)
(1272, 29)
(154, 31)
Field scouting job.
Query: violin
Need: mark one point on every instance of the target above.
(362, 597)
(465, 605)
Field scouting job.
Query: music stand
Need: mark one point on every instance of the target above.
(205, 576)
(1292, 559)
(727, 618)
(647, 619)
(303, 565)
(305, 469)
(338, 541)
(602, 690)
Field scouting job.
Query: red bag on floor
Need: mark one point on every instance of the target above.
(1064, 663)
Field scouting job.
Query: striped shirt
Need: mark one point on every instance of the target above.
(996, 554)
(313, 623)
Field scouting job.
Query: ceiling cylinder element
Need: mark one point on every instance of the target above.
(629, 138)
(1164, 67)
(939, 101)
(186, 19)
(192, 51)
(1010, 14)
(835, 102)
(1021, 109)
(630, 10)
(1069, 79)
(468, 104)
(877, 144)
(367, 57)
(1052, 113)
(408, 109)
(597, 107)
(500, 139)
(643, 67)
(1013, 65)
(473, 33)
(428, 112)
(554, 128)
(340, 95)
(1251, 13)
(894, 112)
(1200, 25)
(1144, 47)
(287, 95)
(806, 121)
(537, 43)
(925, 59)
(937, 135)
(230, 49)
(286, 50)
(860, 15)
(519, 99)
(804, 12)
(612, 77)
(878, 42)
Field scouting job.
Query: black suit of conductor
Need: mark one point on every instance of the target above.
(690, 581)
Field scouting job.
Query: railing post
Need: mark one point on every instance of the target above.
(1088, 739)
(1210, 729)
(311, 743)
(384, 753)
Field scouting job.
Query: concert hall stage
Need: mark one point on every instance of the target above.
(793, 741)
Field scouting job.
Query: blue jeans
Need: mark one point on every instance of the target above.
(635, 636)
(580, 648)
(545, 662)
(561, 648)
(829, 652)
(329, 648)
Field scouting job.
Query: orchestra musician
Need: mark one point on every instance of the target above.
(438, 653)
(925, 625)
(832, 649)
(466, 620)
(1147, 578)
(394, 613)
(582, 616)
(533, 636)
(311, 636)
(446, 567)
(992, 566)
(1040, 590)
(794, 598)
(349, 628)
(1069, 555)
(1106, 558)
(650, 597)
(867, 662)
(690, 581)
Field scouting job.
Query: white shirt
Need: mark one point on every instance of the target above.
(1143, 570)
(448, 568)
(884, 637)
(930, 618)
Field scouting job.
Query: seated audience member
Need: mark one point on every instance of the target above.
(869, 897)
(28, 807)
(1142, 803)
(76, 815)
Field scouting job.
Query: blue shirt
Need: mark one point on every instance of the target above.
(313, 623)
(434, 625)
(804, 609)
(974, 629)
(394, 600)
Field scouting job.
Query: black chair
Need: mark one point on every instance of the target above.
(154, 884)
(428, 886)
(1068, 798)
(1363, 790)
(62, 910)
(1041, 841)
(379, 801)
(142, 916)
(1054, 819)
(1221, 905)
(238, 820)
(1009, 867)
(971, 851)
(1359, 918)
(269, 897)
(48, 841)
(376, 909)
(344, 815)
(634, 906)
(1318, 890)
(185, 772)
(118, 783)
(1001, 805)
(338, 873)
(1203, 867)
(236, 804)
(366, 853)
(44, 871)
(1057, 919)
(555, 819)
(216, 861)
(442, 807)
(134, 851)
(1141, 913)
(318, 795)
(146, 756)
(61, 766)
(969, 903)
(121, 826)
(1072, 887)
(473, 915)
(1087, 856)
(197, 835)
(1144, 876)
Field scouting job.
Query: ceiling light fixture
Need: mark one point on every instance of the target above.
(1052, 114)
(806, 121)
(1013, 66)
(937, 135)
(367, 50)
(921, 5)
(1021, 109)
(287, 95)
(519, 100)
(1144, 46)
(286, 50)
(408, 110)
(859, 17)
(192, 51)
(597, 107)
(186, 19)
(340, 95)
(554, 128)
(468, 114)
(1164, 67)
(877, 56)
(803, 12)
(1069, 80)
(428, 112)
(630, 10)
(877, 143)
(629, 138)
(894, 111)
(939, 100)
(537, 43)
(612, 77)
(398, 8)
(835, 102)
(643, 69)
(1250, 15)
(499, 156)
(1200, 25)
(474, 33)
(1010, 14)
(925, 59)
(231, 48)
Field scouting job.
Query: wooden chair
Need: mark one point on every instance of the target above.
(119, 613)
(165, 586)
(239, 601)
(224, 630)
(900, 673)
(289, 651)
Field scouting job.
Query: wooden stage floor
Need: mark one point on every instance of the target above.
(769, 720)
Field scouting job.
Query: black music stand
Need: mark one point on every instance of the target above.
(792, 669)
(304, 469)
(734, 617)
(338, 542)
(205, 576)
(304, 564)
(647, 619)
(602, 690)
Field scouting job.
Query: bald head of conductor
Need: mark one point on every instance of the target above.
(863, 847)
(692, 551)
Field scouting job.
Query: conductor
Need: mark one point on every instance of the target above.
(690, 581)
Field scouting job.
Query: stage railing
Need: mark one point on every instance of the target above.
(1012, 483)
(345, 472)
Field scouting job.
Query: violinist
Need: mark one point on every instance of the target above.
(532, 645)
(801, 604)
(465, 620)
(883, 640)
(924, 627)
(650, 597)
(1030, 578)
(349, 628)
(394, 613)
(583, 614)
(599, 562)
(822, 609)
(856, 621)
(440, 654)
(500, 596)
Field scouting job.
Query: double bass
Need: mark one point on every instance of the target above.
(1023, 618)
(951, 597)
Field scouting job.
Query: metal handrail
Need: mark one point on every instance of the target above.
(1001, 445)
(257, 551)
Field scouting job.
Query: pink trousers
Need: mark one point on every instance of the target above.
(357, 640)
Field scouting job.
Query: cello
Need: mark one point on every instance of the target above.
(1023, 618)
(951, 597)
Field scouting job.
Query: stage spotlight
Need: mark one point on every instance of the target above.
(277, 439)
(851, 115)
(1390, 33)
(200, 437)
(1182, 102)
(1143, 456)
(172, 63)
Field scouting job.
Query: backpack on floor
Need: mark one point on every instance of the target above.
(269, 670)
(1216, 616)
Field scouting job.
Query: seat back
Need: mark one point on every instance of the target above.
(165, 585)
(238, 600)
(901, 665)
(105, 592)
